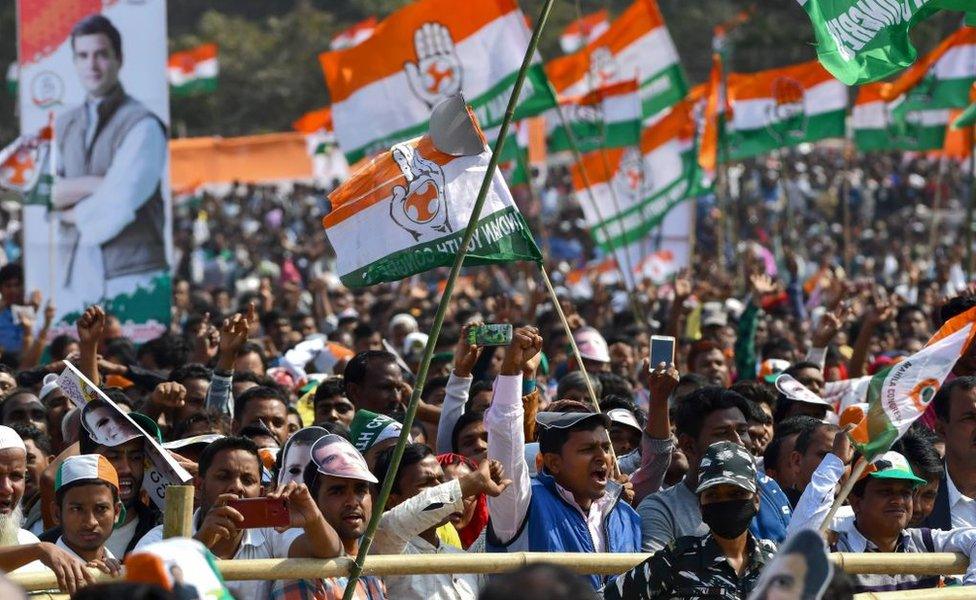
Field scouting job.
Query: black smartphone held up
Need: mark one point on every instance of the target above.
(662, 350)
(491, 334)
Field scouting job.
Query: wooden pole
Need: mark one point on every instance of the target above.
(386, 486)
(938, 594)
(971, 205)
(844, 492)
(882, 563)
(178, 511)
(579, 359)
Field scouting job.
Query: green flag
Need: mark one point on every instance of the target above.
(967, 118)
(860, 41)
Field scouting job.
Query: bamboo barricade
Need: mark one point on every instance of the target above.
(881, 563)
(940, 594)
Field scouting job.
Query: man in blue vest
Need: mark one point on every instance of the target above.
(572, 505)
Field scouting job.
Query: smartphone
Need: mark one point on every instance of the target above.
(491, 334)
(662, 350)
(17, 310)
(262, 512)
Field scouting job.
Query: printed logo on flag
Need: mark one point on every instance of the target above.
(419, 207)
(46, 89)
(786, 118)
(628, 180)
(603, 67)
(437, 72)
(923, 392)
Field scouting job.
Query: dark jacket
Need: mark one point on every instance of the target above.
(941, 515)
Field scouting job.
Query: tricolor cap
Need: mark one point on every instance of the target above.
(334, 456)
(892, 465)
(770, 369)
(368, 429)
(797, 392)
(85, 467)
(177, 561)
(591, 345)
(10, 439)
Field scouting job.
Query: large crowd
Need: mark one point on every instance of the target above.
(275, 380)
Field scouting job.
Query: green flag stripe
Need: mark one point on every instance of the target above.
(745, 143)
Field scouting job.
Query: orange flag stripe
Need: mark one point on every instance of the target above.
(751, 86)
(383, 54)
(915, 74)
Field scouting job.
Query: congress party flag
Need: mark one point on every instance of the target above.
(636, 46)
(316, 126)
(902, 392)
(607, 117)
(405, 213)
(879, 125)
(784, 107)
(25, 166)
(193, 71)
(584, 30)
(633, 188)
(355, 35)
(716, 112)
(942, 78)
(384, 89)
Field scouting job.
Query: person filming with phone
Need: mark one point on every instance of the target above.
(230, 471)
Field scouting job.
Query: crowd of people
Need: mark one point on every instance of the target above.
(277, 381)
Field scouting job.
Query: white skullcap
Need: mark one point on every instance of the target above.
(50, 384)
(10, 439)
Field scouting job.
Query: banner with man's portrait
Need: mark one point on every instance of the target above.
(96, 71)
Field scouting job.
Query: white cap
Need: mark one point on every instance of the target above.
(797, 392)
(624, 417)
(414, 343)
(10, 439)
(405, 320)
(50, 385)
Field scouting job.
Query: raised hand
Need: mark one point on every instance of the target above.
(233, 335)
(465, 353)
(50, 310)
(830, 324)
(437, 72)
(762, 285)
(205, 339)
(661, 381)
(526, 343)
(220, 523)
(169, 394)
(488, 479)
(301, 506)
(91, 326)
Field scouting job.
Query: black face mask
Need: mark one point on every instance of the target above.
(729, 519)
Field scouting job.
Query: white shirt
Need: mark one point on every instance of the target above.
(120, 538)
(25, 537)
(962, 508)
(398, 533)
(60, 544)
(262, 542)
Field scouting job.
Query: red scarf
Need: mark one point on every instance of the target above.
(470, 532)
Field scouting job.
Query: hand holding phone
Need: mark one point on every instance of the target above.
(662, 351)
(491, 334)
(262, 512)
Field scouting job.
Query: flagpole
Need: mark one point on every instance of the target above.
(379, 505)
(971, 205)
(578, 157)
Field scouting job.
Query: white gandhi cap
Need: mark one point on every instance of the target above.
(10, 439)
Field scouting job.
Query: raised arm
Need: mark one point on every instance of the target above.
(233, 334)
(506, 436)
(458, 387)
(814, 504)
(90, 326)
(656, 444)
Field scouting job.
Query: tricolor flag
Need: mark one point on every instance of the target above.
(902, 392)
(194, 71)
(355, 35)
(607, 117)
(405, 213)
(879, 125)
(968, 117)
(25, 166)
(784, 107)
(716, 112)
(514, 160)
(316, 125)
(383, 89)
(13, 74)
(636, 46)
(646, 184)
(943, 78)
(584, 30)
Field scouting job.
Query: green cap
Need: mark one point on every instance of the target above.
(368, 429)
(147, 425)
(892, 465)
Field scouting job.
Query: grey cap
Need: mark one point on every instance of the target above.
(713, 314)
(453, 130)
(565, 420)
(727, 462)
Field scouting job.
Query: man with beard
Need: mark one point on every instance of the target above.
(128, 458)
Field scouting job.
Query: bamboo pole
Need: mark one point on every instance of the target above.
(971, 205)
(178, 511)
(939, 593)
(579, 359)
(882, 563)
(379, 504)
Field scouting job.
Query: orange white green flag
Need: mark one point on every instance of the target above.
(942, 78)
(879, 125)
(636, 46)
(383, 90)
(584, 30)
(193, 71)
(784, 107)
(901, 393)
(354, 35)
(607, 117)
(406, 210)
